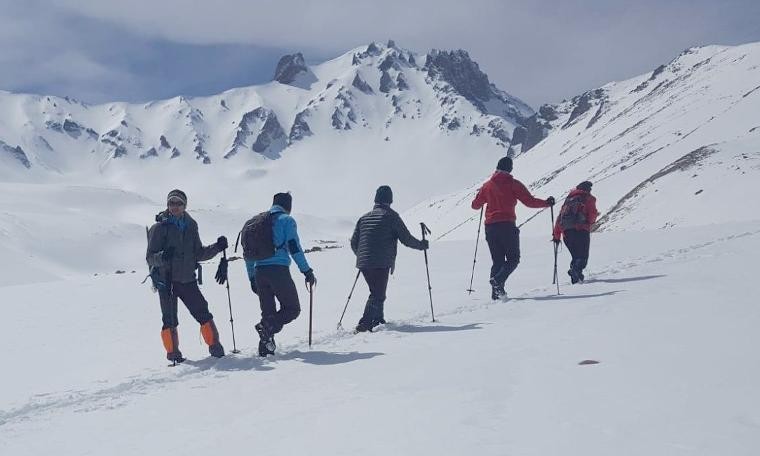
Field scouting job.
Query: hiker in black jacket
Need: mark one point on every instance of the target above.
(374, 243)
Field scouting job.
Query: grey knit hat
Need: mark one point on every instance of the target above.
(177, 195)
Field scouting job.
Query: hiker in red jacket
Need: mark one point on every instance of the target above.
(575, 219)
(500, 194)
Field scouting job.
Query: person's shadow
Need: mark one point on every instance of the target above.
(625, 279)
(409, 328)
(562, 296)
(246, 363)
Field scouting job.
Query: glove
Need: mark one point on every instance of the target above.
(425, 244)
(167, 254)
(550, 201)
(555, 240)
(221, 272)
(310, 279)
(221, 243)
(254, 287)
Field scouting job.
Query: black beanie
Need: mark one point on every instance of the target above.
(585, 186)
(177, 194)
(505, 164)
(284, 200)
(384, 195)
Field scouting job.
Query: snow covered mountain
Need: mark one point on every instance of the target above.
(677, 146)
(364, 93)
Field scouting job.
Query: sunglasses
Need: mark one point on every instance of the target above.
(176, 203)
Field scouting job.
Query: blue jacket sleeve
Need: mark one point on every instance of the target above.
(293, 245)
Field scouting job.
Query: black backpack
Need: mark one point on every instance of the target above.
(257, 237)
(573, 212)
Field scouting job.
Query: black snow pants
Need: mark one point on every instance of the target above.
(504, 244)
(578, 243)
(377, 280)
(191, 296)
(276, 282)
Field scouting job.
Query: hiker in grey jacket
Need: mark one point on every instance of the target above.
(374, 243)
(174, 250)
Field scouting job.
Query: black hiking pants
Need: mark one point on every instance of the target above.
(191, 296)
(578, 243)
(377, 280)
(276, 282)
(504, 244)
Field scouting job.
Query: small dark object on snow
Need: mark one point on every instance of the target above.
(587, 362)
(119, 271)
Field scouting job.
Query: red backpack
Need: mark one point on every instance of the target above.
(573, 212)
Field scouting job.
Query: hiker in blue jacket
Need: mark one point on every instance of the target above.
(270, 276)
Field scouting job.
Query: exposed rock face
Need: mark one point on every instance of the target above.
(288, 68)
(152, 152)
(362, 85)
(164, 142)
(300, 128)
(386, 83)
(259, 128)
(401, 83)
(583, 104)
(456, 68)
(17, 153)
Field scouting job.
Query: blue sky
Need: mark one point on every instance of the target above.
(541, 51)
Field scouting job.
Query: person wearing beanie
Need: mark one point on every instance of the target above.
(500, 195)
(270, 239)
(174, 251)
(577, 216)
(374, 242)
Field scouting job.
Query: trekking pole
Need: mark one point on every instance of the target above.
(426, 230)
(229, 301)
(475, 259)
(555, 279)
(311, 307)
(349, 299)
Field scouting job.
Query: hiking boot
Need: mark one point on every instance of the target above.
(216, 350)
(498, 292)
(267, 347)
(573, 276)
(263, 333)
(581, 278)
(363, 327)
(175, 357)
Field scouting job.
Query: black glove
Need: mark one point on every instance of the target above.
(167, 254)
(221, 243)
(425, 244)
(555, 240)
(254, 287)
(310, 279)
(221, 272)
(550, 201)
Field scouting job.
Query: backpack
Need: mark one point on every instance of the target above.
(257, 237)
(573, 212)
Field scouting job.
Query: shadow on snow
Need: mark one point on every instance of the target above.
(625, 279)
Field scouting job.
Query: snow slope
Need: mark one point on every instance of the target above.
(668, 315)
(677, 147)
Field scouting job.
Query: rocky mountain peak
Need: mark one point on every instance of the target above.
(289, 67)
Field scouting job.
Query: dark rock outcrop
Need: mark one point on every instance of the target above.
(288, 68)
(362, 85)
(17, 153)
(300, 128)
(386, 82)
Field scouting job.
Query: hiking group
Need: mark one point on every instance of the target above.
(270, 243)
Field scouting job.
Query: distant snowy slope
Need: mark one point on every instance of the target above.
(678, 146)
(368, 90)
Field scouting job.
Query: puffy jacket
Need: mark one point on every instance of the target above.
(287, 244)
(181, 236)
(375, 237)
(501, 193)
(589, 210)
